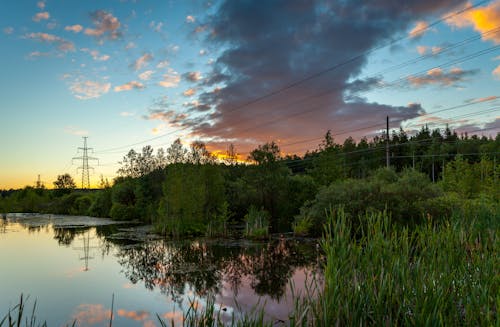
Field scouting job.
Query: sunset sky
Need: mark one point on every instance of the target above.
(128, 73)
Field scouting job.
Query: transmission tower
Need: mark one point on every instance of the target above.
(85, 163)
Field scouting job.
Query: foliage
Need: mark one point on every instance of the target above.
(256, 223)
(64, 184)
(101, 205)
(429, 275)
(193, 196)
(407, 198)
(120, 211)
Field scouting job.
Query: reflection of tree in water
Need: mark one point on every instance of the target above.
(65, 236)
(204, 266)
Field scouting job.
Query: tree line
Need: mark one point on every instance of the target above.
(188, 191)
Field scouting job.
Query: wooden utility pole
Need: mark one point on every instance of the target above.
(387, 162)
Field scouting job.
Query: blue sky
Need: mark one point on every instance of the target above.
(147, 72)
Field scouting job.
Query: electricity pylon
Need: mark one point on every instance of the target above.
(85, 164)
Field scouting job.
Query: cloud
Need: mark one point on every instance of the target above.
(62, 44)
(484, 99)
(8, 30)
(170, 79)
(134, 315)
(130, 45)
(440, 77)
(127, 114)
(190, 19)
(142, 61)
(106, 25)
(262, 52)
(192, 76)
(75, 131)
(84, 90)
(170, 117)
(129, 86)
(420, 28)
(163, 64)
(156, 26)
(41, 16)
(189, 92)
(74, 28)
(91, 314)
(37, 54)
(95, 54)
(496, 72)
(146, 76)
(41, 4)
(482, 19)
(423, 50)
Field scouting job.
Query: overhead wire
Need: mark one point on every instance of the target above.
(312, 76)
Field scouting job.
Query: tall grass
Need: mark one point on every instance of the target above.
(388, 275)
(17, 316)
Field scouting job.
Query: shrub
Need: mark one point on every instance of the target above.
(122, 212)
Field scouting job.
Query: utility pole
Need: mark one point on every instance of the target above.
(387, 162)
(39, 183)
(85, 164)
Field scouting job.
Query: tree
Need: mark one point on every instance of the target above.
(136, 164)
(268, 153)
(176, 153)
(64, 182)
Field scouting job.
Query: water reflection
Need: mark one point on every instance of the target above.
(234, 271)
(206, 266)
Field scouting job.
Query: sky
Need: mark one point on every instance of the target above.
(130, 73)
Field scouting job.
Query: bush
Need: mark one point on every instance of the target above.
(102, 204)
(407, 197)
(122, 212)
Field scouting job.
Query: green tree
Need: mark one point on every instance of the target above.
(64, 184)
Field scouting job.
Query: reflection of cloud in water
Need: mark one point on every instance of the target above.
(128, 285)
(134, 315)
(303, 281)
(91, 314)
(73, 272)
(173, 318)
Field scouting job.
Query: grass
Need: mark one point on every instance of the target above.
(389, 275)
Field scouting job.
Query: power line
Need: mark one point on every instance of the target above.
(85, 164)
(314, 75)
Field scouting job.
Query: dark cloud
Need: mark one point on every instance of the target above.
(271, 44)
(106, 25)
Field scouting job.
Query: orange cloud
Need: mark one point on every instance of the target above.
(74, 28)
(482, 19)
(91, 314)
(171, 79)
(496, 72)
(440, 77)
(190, 19)
(134, 315)
(41, 16)
(129, 86)
(189, 92)
(419, 29)
(142, 61)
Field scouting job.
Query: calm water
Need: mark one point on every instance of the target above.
(72, 270)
